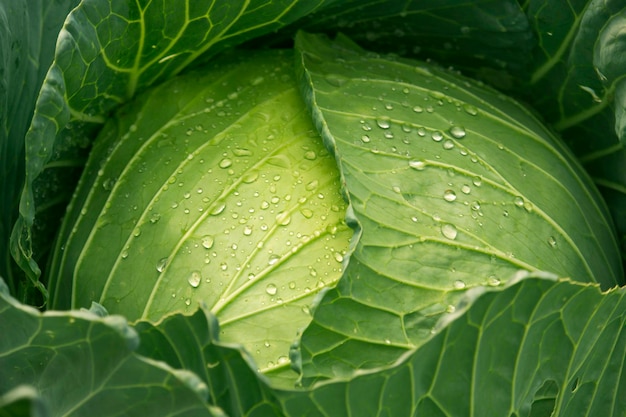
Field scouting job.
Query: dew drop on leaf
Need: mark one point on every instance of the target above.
(457, 132)
(449, 231)
(449, 195)
(273, 260)
(219, 208)
(469, 109)
(437, 136)
(161, 264)
(383, 123)
(417, 164)
(458, 284)
(225, 163)
(194, 279)
(271, 289)
(207, 242)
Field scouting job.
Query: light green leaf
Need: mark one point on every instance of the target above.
(538, 344)
(106, 52)
(222, 194)
(84, 365)
(452, 185)
(28, 30)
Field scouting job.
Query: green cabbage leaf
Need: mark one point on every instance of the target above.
(452, 185)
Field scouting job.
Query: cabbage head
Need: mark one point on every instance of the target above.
(394, 185)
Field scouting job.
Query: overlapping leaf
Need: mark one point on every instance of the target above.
(577, 83)
(107, 51)
(192, 343)
(28, 31)
(82, 364)
(452, 186)
(539, 345)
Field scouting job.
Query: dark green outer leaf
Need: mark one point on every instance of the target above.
(106, 52)
(28, 31)
(439, 177)
(84, 365)
(498, 355)
(578, 85)
(192, 343)
(479, 37)
(22, 401)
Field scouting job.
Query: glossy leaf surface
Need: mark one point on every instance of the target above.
(224, 195)
(81, 364)
(452, 185)
(106, 53)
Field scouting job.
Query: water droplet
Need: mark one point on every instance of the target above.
(493, 281)
(477, 181)
(225, 163)
(449, 231)
(449, 195)
(338, 257)
(469, 109)
(250, 177)
(271, 290)
(312, 185)
(418, 109)
(465, 189)
(458, 284)
(137, 232)
(448, 144)
(188, 301)
(437, 136)
(365, 139)
(273, 260)
(194, 279)
(519, 201)
(306, 213)
(247, 230)
(161, 264)
(219, 208)
(417, 164)
(207, 242)
(155, 217)
(283, 218)
(336, 80)
(383, 123)
(450, 309)
(310, 155)
(475, 205)
(552, 241)
(457, 132)
(242, 152)
(292, 285)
